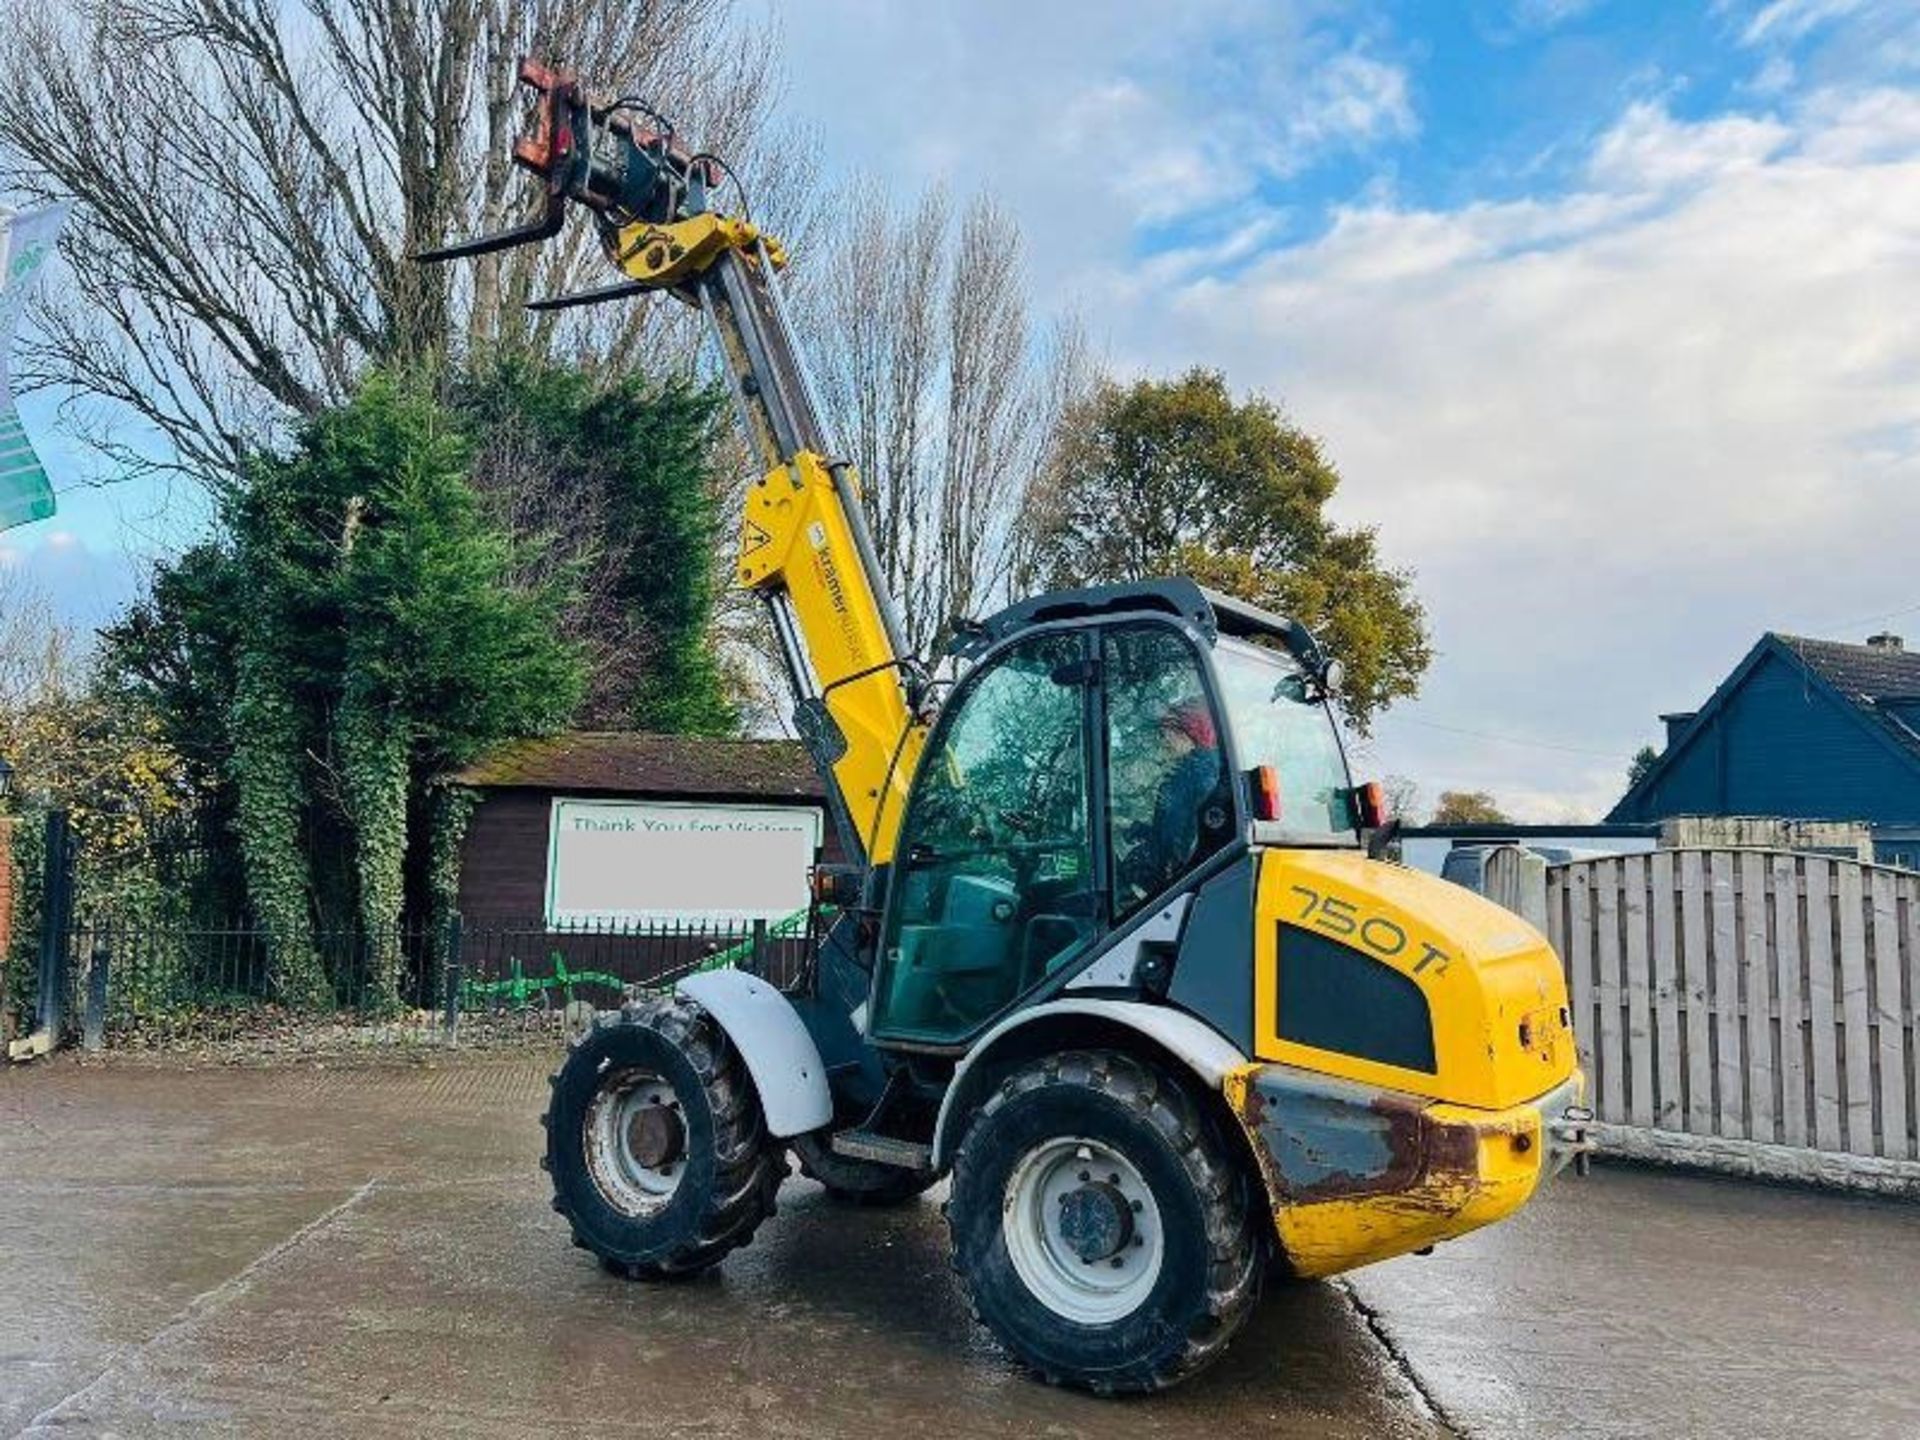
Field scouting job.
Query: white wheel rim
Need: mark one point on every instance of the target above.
(1070, 1172)
(628, 1183)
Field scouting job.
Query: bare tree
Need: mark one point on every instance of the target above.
(1403, 798)
(253, 176)
(38, 653)
(932, 378)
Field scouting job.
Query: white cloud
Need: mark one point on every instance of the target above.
(1649, 150)
(1549, 14)
(1775, 77)
(1092, 119)
(1618, 432)
(1855, 127)
(1788, 20)
(1354, 99)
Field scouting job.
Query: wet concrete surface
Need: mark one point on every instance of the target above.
(369, 1251)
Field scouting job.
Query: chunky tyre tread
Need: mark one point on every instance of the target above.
(1236, 1264)
(748, 1163)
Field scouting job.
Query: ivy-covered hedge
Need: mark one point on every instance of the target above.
(430, 570)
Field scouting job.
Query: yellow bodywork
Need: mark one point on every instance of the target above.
(1364, 1160)
(795, 535)
(665, 255)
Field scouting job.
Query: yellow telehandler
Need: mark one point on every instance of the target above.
(1114, 952)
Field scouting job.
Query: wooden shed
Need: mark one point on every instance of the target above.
(605, 785)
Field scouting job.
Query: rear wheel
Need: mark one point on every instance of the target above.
(656, 1145)
(853, 1181)
(1103, 1230)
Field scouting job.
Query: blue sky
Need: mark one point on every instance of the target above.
(1602, 306)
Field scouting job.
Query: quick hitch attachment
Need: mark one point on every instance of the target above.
(651, 198)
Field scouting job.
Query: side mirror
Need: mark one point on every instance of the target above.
(1382, 841)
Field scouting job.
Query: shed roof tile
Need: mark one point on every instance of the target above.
(627, 762)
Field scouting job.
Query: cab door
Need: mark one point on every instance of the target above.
(995, 885)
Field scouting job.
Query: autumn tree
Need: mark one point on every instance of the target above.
(254, 177)
(71, 740)
(1177, 477)
(1467, 807)
(78, 744)
(942, 390)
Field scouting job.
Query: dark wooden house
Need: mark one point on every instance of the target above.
(1801, 730)
(506, 852)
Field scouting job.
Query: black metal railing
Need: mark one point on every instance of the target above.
(163, 986)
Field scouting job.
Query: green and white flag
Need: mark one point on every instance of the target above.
(25, 243)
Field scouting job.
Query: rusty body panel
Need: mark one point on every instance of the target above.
(1413, 1063)
(1355, 1174)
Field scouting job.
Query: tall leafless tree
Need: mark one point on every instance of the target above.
(932, 377)
(253, 176)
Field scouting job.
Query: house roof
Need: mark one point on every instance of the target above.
(1874, 682)
(629, 763)
(1877, 680)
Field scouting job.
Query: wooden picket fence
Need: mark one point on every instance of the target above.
(1752, 996)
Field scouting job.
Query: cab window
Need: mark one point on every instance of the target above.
(994, 888)
(1169, 802)
(1276, 721)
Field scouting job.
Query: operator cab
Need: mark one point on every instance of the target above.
(1107, 748)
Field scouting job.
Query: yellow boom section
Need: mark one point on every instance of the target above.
(795, 536)
(804, 547)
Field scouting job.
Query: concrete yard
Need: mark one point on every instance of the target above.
(354, 1251)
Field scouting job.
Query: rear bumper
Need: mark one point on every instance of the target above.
(1356, 1174)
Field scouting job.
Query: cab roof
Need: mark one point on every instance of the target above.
(1210, 612)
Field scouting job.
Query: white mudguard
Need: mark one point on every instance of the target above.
(781, 1056)
(1201, 1048)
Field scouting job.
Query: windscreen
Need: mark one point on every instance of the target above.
(1275, 723)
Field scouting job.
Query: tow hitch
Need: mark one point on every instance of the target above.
(1567, 1139)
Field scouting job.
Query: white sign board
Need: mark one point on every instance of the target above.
(657, 862)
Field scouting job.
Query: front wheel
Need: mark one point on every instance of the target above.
(660, 1158)
(1102, 1228)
